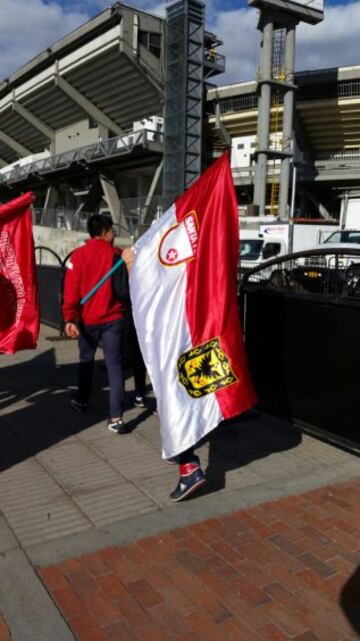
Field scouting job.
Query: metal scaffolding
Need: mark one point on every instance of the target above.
(184, 84)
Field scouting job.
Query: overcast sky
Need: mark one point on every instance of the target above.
(29, 26)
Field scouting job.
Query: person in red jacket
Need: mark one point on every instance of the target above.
(100, 321)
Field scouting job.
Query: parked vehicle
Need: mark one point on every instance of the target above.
(334, 270)
(341, 239)
(272, 239)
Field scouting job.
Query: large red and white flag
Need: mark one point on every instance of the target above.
(183, 292)
(19, 307)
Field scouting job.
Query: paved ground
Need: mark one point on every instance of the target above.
(269, 573)
(68, 487)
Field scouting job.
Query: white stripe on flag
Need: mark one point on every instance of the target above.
(158, 296)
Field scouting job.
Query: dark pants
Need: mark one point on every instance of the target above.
(137, 362)
(110, 337)
(188, 456)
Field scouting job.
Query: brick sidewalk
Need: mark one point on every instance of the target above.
(287, 569)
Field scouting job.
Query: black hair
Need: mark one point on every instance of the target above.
(98, 223)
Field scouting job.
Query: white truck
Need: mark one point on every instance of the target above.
(273, 239)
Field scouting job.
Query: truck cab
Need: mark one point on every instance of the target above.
(344, 236)
(257, 246)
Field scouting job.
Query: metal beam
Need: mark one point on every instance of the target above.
(112, 200)
(301, 135)
(220, 127)
(322, 209)
(51, 198)
(33, 120)
(151, 191)
(14, 145)
(86, 105)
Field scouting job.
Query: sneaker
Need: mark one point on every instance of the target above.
(171, 461)
(78, 406)
(139, 401)
(117, 426)
(188, 483)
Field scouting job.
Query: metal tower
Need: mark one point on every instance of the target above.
(184, 84)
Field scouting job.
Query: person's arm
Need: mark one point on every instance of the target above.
(71, 329)
(128, 256)
(71, 298)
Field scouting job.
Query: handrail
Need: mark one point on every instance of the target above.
(326, 251)
(51, 251)
(86, 154)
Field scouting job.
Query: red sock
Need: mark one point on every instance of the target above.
(188, 468)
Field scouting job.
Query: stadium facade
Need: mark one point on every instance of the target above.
(82, 126)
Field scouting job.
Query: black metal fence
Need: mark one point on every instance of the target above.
(301, 316)
(50, 281)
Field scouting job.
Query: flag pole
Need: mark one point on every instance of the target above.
(102, 281)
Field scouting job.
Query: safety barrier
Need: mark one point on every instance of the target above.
(301, 317)
(50, 282)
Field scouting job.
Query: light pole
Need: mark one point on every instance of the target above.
(292, 208)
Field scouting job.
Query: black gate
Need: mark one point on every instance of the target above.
(50, 278)
(301, 318)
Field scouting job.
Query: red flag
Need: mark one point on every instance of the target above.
(183, 291)
(19, 306)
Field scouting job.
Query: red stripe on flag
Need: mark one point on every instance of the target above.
(19, 311)
(211, 298)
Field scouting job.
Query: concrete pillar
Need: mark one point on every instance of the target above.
(264, 108)
(51, 198)
(288, 112)
(113, 202)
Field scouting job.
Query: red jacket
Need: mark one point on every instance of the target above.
(87, 265)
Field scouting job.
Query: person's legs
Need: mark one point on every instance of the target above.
(112, 344)
(191, 475)
(137, 362)
(188, 456)
(139, 371)
(88, 342)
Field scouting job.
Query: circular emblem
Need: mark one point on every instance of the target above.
(172, 255)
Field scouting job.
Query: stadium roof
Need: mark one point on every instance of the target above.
(108, 70)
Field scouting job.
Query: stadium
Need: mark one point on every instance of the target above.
(82, 125)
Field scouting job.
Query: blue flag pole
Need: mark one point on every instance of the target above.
(102, 281)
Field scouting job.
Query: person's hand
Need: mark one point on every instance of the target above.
(128, 257)
(71, 330)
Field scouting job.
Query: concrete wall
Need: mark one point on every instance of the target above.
(78, 135)
(62, 242)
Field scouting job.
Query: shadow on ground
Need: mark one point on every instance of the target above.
(350, 600)
(36, 414)
(239, 441)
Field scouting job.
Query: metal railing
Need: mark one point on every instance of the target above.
(306, 171)
(213, 62)
(238, 103)
(61, 218)
(134, 216)
(346, 89)
(328, 273)
(338, 167)
(113, 147)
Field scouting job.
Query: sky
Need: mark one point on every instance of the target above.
(27, 27)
